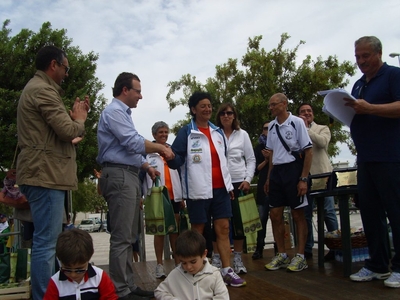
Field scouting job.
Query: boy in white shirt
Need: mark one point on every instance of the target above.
(195, 277)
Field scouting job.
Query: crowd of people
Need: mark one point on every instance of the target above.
(206, 168)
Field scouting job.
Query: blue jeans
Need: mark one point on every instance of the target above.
(47, 207)
(330, 219)
(263, 211)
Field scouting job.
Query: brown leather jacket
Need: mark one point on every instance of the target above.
(45, 132)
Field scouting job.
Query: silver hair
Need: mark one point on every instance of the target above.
(158, 125)
(372, 40)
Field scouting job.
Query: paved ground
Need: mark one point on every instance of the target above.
(101, 241)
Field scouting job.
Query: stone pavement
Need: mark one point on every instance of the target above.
(101, 241)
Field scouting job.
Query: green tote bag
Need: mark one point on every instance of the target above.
(246, 220)
(158, 210)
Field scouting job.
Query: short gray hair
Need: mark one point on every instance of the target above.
(158, 125)
(372, 40)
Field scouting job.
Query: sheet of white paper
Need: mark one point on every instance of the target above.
(334, 106)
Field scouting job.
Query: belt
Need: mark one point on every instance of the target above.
(121, 166)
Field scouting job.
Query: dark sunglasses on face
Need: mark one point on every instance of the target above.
(265, 128)
(223, 113)
(76, 271)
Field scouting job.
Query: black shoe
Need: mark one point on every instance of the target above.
(329, 256)
(142, 293)
(308, 255)
(257, 254)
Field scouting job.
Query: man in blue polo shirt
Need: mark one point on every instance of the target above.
(375, 130)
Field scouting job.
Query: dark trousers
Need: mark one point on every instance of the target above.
(379, 197)
(263, 211)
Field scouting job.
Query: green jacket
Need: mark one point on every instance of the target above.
(45, 131)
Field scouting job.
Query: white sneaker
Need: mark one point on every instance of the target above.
(393, 281)
(366, 275)
(238, 266)
(160, 273)
(216, 261)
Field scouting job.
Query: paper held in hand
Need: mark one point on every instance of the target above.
(334, 105)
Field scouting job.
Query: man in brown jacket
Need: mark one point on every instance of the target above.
(46, 166)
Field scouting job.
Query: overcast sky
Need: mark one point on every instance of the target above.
(163, 40)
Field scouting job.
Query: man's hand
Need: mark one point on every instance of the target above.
(167, 153)
(96, 173)
(301, 188)
(87, 103)
(304, 119)
(77, 140)
(80, 109)
(153, 173)
(360, 106)
(141, 204)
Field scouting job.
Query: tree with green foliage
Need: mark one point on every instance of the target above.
(263, 74)
(86, 199)
(17, 67)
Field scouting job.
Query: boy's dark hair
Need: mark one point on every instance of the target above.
(74, 246)
(123, 80)
(190, 243)
(235, 122)
(196, 98)
(46, 55)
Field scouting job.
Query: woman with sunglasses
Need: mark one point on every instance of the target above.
(241, 165)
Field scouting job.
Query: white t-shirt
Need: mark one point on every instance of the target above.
(293, 132)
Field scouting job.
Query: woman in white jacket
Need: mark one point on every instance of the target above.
(241, 165)
(169, 178)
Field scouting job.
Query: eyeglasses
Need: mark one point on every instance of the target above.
(76, 271)
(265, 128)
(136, 90)
(65, 67)
(228, 113)
(274, 104)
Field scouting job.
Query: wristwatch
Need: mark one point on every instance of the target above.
(305, 179)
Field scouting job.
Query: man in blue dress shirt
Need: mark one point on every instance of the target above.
(121, 150)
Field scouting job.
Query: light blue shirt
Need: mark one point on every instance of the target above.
(118, 140)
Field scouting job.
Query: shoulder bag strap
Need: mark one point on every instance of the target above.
(281, 139)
